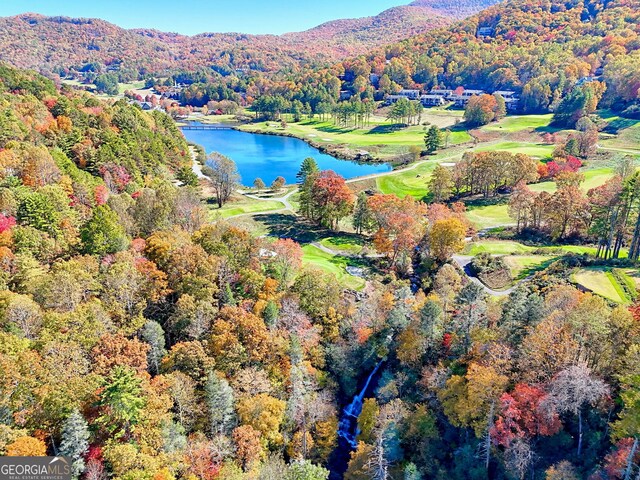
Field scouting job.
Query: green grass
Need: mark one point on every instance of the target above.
(343, 244)
(411, 182)
(600, 281)
(518, 123)
(510, 247)
(522, 266)
(489, 216)
(496, 247)
(246, 205)
(538, 150)
(381, 138)
(333, 264)
(496, 215)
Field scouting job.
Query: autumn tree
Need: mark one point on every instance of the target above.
(520, 203)
(441, 184)
(401, 225)
(259, 184)
(446, 237)
(278, 184)
(223, 174)
(265, 414)
(26, 447)
(480, 110)
(329, 199)
(287, 259)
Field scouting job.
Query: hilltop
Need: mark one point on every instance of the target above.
(60, 43)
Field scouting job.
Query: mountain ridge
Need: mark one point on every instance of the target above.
(36, 41)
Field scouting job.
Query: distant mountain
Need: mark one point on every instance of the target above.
(61, 43)
(454, 8)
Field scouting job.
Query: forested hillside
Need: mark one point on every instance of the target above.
(146, 343)
(538, 47)
(60, 43)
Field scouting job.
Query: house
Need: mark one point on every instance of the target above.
(391, 99)
(410, 94)
(485, 32)
(462, 99)
(441, 92)
(511, 99)
(432, 100)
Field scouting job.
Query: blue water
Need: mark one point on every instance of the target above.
(269, 156)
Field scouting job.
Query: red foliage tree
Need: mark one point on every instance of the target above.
(521, 416)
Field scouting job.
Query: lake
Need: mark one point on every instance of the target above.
(269, 156)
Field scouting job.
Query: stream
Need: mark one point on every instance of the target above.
(348, 428)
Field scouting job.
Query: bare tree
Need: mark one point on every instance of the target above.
(223, 174)
(571, 390)
(519, 457)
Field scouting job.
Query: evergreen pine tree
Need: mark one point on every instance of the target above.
(220, 401)
(75, 441)
(153, 334)
(270, 314)
(433, 139)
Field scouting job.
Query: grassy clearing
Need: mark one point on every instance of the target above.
(381, 138)
(522, 266)
(334, 264)
(511, 247)
(346, 245)
(488, 216)
(518, 123)
(538, 150)
(601, 282)
(411, 182)
(245, 206)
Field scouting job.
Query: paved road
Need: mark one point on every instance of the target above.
(284, 199)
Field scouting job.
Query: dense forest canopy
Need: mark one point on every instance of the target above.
(149, 340)
(146, 343)
(60, 44)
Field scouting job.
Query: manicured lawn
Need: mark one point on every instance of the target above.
(412, 182)
(508, 247)
(539, 150)
(342, 244)
(495, 215)
(332, 264)
(523, 265)
(496, 247)
(489, 216)
(601, 282)
(246, 205)
(380, 137)
(518, 123)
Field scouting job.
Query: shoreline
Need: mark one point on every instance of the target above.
(327, 148)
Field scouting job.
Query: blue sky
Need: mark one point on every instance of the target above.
(198, 16)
